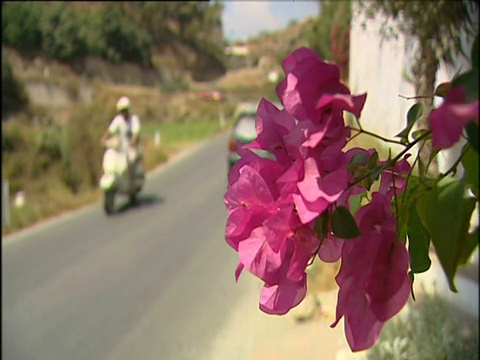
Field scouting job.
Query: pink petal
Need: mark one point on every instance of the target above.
(279, 299)
(448, 121)
(258, 257)
(331, 249)
(238, 271)
(389, 286)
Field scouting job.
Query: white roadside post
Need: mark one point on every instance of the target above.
(157, 138)
(5, 203)
(221, 115)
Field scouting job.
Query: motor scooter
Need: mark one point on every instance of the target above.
(123, 173)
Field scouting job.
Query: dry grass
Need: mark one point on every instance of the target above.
(321, 276)
(252, 77)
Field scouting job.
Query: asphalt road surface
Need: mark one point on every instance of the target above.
(155, 281)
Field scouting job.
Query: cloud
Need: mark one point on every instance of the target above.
(245, 18)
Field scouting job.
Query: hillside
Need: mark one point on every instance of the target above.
(50, 147)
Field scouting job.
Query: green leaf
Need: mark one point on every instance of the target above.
(379, 169)
(421, 167)
(355, 202)
(359, 159)
(470, 164)
(418, 242)
(474, 54)
(418, 133)
(433, 154)
(407, 200)
(471, 245)
(321, 225)
(411, 275)
(413, 115)
(469, 80)
(343, 224)
(442, 89)
(373, 160)
(445, 213)
(472, 135)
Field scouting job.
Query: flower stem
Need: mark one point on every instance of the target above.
(453, 168)
(392, 162)
(366, 132)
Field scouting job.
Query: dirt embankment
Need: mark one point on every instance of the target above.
(57, 87)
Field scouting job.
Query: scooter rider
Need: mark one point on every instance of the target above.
(124, 124)
(127, 126)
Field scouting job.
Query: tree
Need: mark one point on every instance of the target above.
(63, 32)
(123, 39)
(20, 25)
(14, 96)
(438, 27)
(329, 33)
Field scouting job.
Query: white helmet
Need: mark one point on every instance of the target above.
(123, 103)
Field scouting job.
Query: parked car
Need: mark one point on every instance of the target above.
(212, 95)
(243, 130)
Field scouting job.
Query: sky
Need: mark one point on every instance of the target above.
(243, 19)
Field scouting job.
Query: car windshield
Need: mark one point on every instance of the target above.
(245, 128)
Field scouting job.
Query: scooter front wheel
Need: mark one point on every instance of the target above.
(109, 202)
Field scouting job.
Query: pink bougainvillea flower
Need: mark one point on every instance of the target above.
(373, 278)
(258, 257)
(393, 181)
(278, 299)
(362, 328)
(267, 168)
(317, 192)
(340, 102)
(331, 248)
(448, 121)
(272, 125)
(248, 190)
(278, 252)
(388, 286)
(280, 249)
(307, 78)
(249, 202)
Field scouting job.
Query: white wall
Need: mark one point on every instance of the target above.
(378, 66)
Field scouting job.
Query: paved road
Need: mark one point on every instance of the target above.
(152, 282)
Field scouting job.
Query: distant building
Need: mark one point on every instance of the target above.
(237, 50)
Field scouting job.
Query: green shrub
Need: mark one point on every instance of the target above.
(63, 32)
(122, 38)
(429, 331)
(14, 96)
(49, 143)
(70, 176)
(20, 28)
(84, 131)
(13, 138)
(176, 85)
(14, 170)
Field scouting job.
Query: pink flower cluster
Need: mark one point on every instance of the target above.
(448, 121)
(274, 203)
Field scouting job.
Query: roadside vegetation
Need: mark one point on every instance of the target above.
(117, 32)
(428, 330)
(50, 148)
(58, 166)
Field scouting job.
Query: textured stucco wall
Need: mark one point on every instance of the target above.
(379, 66)
(376, 67)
